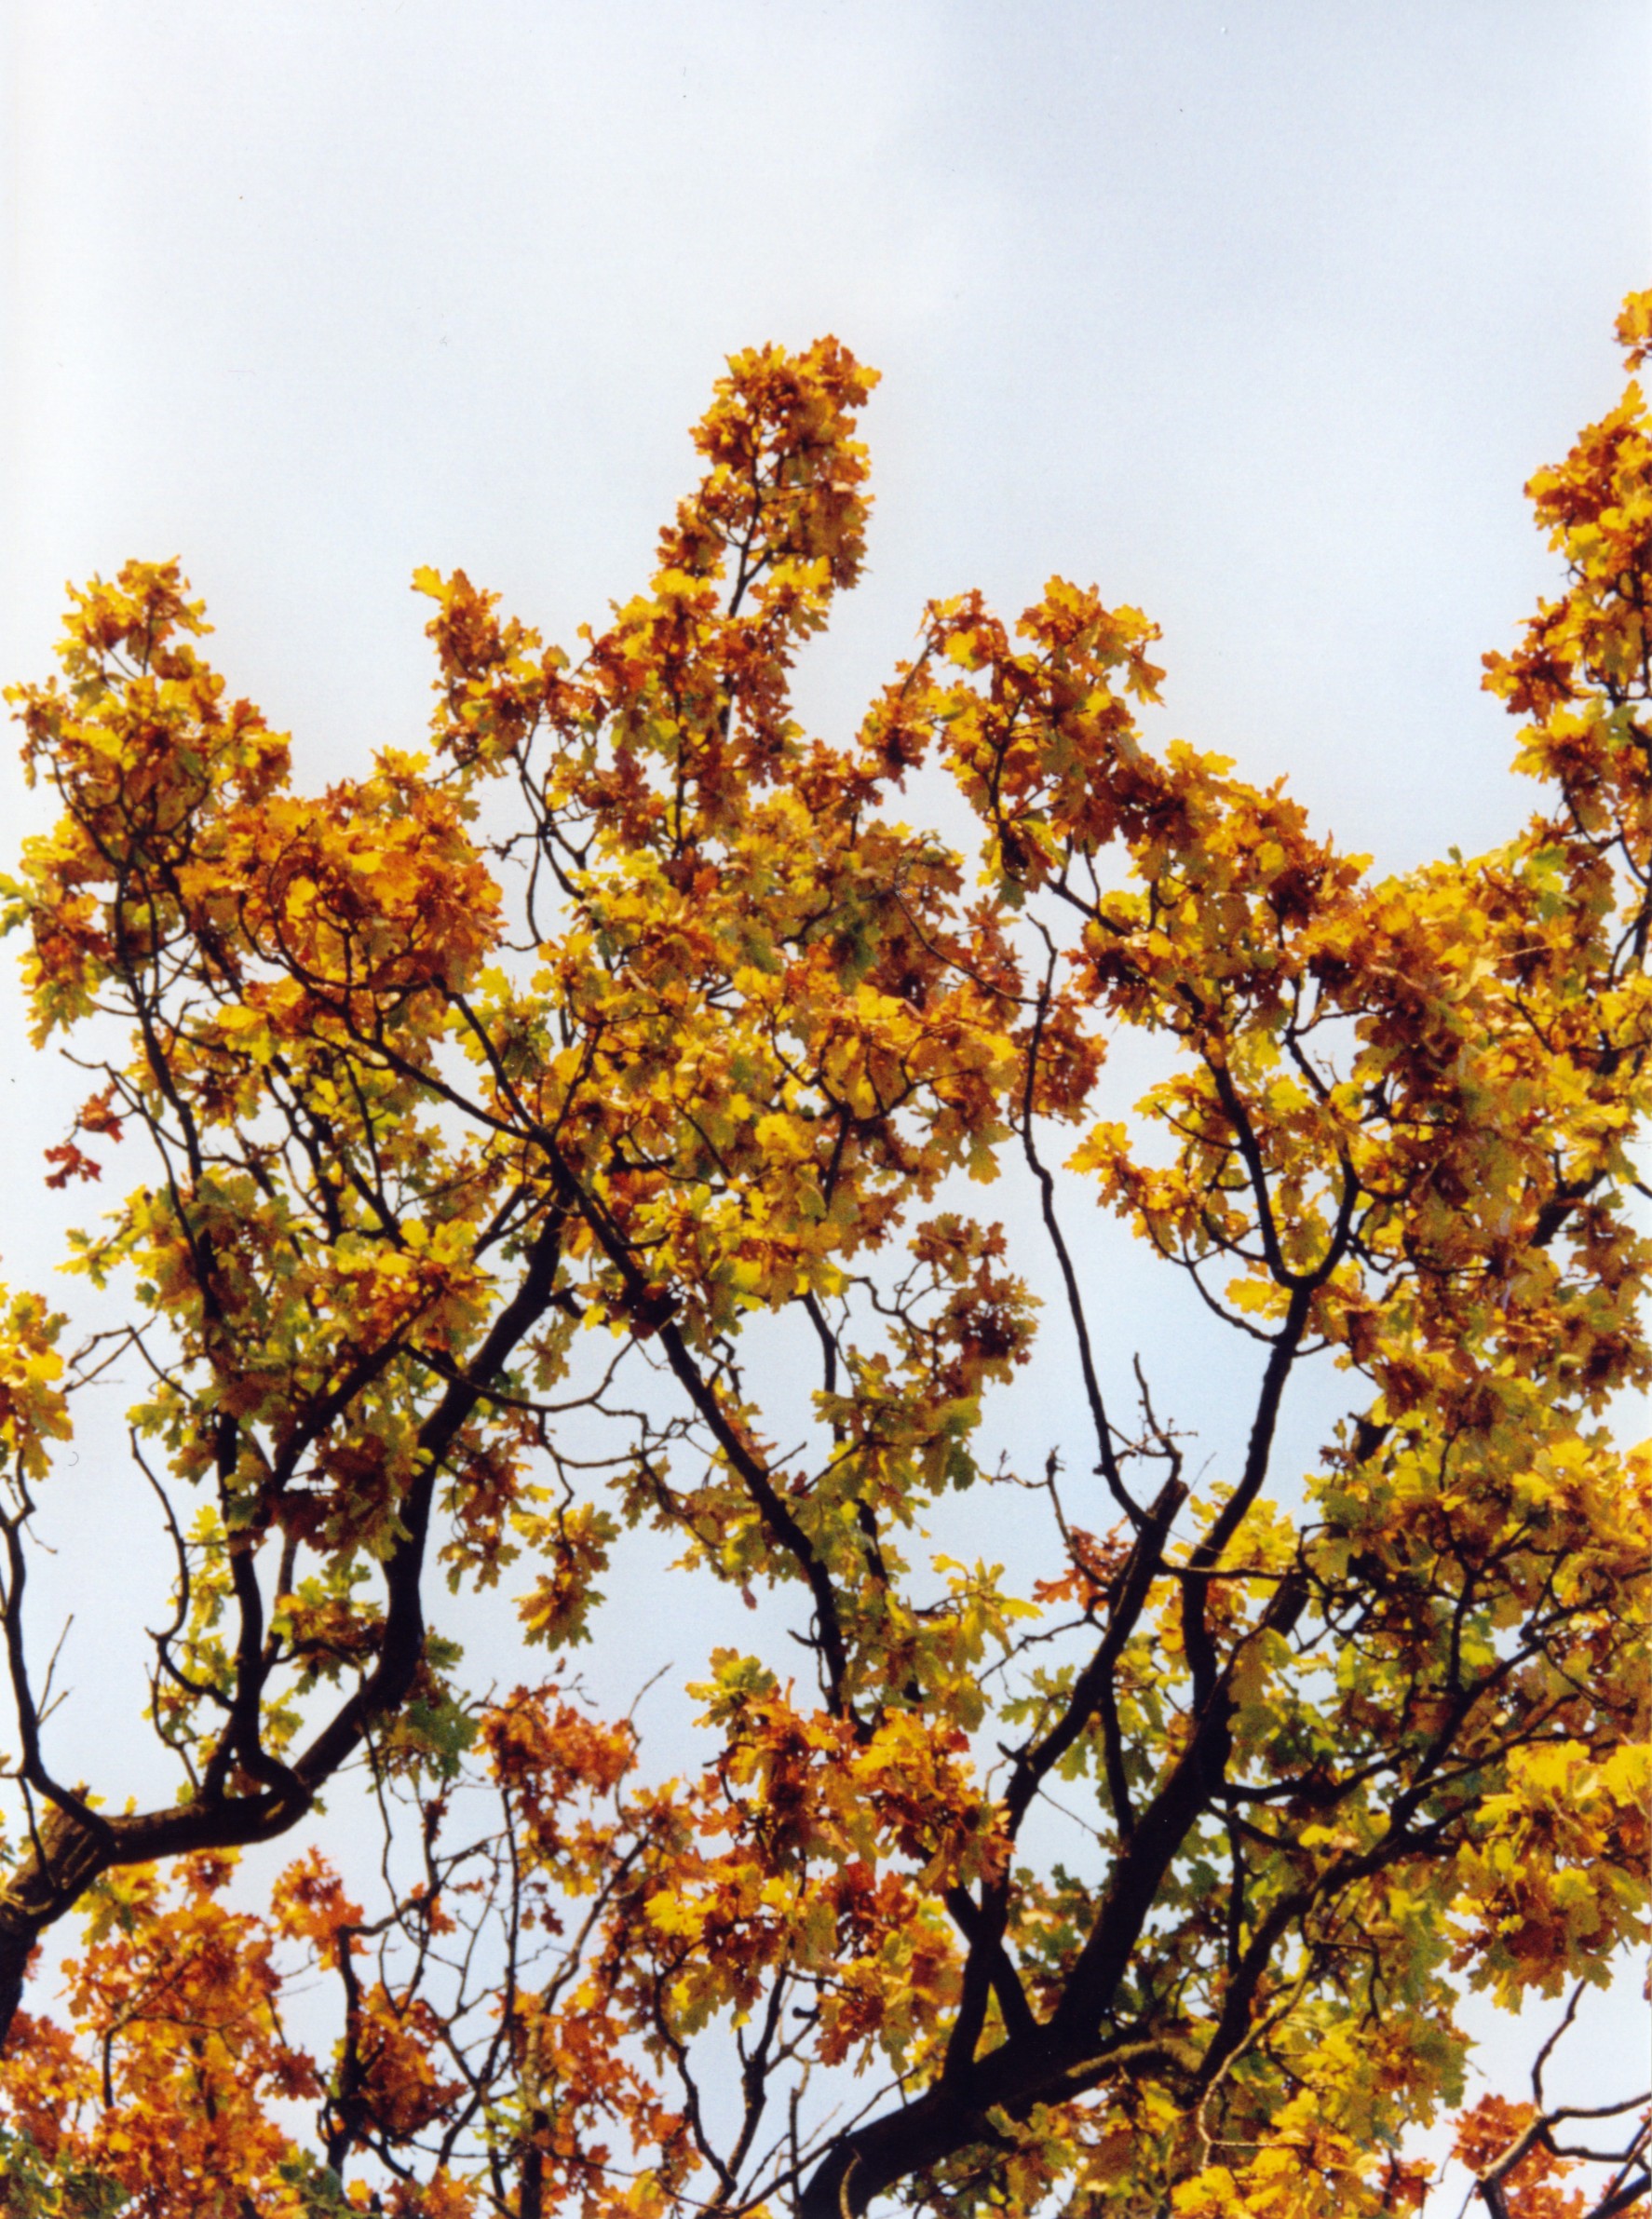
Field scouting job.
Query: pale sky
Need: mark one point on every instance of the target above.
(1256, 314)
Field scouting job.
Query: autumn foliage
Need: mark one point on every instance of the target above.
(509, 1117)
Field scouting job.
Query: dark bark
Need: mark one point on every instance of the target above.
(74, 1846)
(1067, 2054)
(71, 1855)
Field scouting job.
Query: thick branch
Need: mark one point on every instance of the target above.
(77, 1844)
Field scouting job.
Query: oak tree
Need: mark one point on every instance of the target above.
(510, 1116)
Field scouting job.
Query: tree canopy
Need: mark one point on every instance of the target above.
(512, 1115)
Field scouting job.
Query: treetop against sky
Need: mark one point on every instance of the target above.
(495, 1109)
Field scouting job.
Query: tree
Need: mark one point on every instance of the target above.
(505, 1109)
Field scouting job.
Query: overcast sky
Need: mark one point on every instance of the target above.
(1255, 315)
